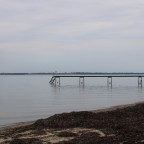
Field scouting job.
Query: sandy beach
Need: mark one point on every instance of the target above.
(120, 124)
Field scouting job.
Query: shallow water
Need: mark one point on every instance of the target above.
(27, 98)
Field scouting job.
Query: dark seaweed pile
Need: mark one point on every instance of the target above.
(124, 126)
(26, 141)
(67, 134)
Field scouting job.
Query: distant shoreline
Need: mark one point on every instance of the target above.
(73, 73)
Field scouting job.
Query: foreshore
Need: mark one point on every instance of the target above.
(120, 124)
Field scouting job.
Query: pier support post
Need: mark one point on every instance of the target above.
(109, 81)
(57, 82)
(81, 81)
(140, 81)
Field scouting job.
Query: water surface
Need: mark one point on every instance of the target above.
(26, 98)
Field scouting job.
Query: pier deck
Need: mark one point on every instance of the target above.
(108, 76)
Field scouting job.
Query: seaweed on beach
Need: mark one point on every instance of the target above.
(67, 134)
(127, 124)
(26, 141)
(123, 125)
(110, 119)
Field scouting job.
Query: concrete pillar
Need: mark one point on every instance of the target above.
(57, 81)
(109, 81)
(140, 81)
(81, 81)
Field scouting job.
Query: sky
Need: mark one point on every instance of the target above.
(71, 35)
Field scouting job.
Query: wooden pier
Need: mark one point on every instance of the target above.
(55, 80)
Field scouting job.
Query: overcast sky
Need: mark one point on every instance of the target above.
(71, 35)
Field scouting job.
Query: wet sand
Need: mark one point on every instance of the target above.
(121, 124)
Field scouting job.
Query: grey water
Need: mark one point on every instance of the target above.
(31, 97)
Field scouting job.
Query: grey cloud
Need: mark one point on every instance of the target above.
(58, 32)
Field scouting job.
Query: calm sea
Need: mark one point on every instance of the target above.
(27, 98)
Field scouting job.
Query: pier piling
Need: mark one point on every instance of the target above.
(81, 81)
(109, 81)
(140, 81)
